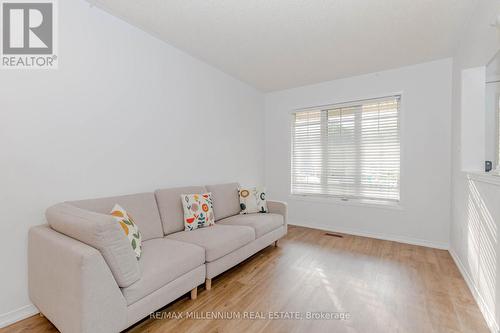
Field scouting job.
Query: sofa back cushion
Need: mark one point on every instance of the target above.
(102, 232)
(142, 207)
(226, 200)
(170, 206)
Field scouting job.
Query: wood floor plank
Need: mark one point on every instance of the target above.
(384, 287)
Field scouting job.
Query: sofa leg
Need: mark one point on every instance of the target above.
(208, 284)
(41, 315)
(275, 243)
(194, 293)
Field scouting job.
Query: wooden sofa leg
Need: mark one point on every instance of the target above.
(275, 243)
(194, 293)
(208, 284)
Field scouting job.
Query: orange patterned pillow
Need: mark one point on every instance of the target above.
(130, 228)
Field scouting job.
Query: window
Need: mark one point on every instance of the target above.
(348, 150)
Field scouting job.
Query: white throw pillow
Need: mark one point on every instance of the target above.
(130, 228)
(198, 211)
(253, 200)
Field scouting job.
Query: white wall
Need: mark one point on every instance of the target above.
(124, 113)
(473, 115)
(425, 154)
(474, 240)
(492, 93)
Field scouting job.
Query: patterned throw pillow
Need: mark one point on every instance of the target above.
(253, 200)
(198, 211)
(130, 228)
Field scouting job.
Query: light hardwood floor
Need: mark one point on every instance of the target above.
(384, 286)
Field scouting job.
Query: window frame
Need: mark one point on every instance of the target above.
(339, 199)
(496, 162)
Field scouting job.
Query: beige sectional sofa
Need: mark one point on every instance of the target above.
(81, 281)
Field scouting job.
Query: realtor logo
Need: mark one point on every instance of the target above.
(28, 34)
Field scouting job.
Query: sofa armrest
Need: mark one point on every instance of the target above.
(278, 207)
(72, 285)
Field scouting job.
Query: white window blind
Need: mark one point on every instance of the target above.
(348, 150)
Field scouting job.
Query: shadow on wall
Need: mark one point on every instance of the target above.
(482, 245)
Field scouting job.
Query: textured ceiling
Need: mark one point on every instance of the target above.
(279, 44)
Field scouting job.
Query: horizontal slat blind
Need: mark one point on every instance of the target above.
(350, 150)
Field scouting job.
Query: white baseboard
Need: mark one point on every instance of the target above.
(388, 237)
(487, 314)
(11, 317)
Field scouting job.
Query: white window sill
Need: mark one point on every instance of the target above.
(484, 177)
(350, 202)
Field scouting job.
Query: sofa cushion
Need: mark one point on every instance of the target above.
(102, 232)
(162, 261)
(170, 206)
(141, 206)
(226, 200)
(217, 240)
(261, 223)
